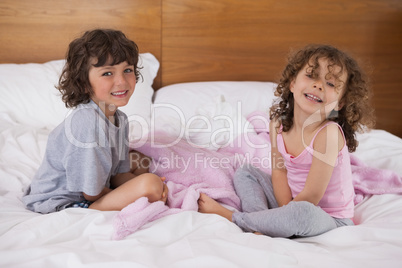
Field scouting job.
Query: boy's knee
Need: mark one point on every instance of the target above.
(151, 186)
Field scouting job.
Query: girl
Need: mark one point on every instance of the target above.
(87, 156)
(324, 99)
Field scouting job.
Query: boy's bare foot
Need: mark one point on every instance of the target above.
(208, 205)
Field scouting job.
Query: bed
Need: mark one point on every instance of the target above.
(209, 69)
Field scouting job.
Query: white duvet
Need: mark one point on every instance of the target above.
(82, 237)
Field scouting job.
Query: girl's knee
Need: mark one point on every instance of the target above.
(302, 208)
(242, 173)
(249, 173)
(301, 211)
(307, 216)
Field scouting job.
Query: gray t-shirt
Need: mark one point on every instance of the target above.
(82, 154)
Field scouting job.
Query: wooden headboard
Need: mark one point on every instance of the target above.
(214, 40)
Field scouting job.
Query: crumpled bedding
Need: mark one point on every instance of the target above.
(190, 171)
(83, 237)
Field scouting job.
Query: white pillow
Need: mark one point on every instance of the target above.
(210, 114)
(29, 96)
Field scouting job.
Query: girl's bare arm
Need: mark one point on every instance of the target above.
(327, 145)
(280, 184)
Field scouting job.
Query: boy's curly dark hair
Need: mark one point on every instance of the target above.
(101, 44)
(356, 113)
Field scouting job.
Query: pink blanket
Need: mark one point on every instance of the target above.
(190, 171)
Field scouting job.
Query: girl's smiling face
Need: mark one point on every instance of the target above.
(112, 85)
(320, 89)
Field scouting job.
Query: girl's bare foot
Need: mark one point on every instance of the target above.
(208, 205)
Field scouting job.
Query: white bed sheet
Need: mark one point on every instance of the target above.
(82, 237)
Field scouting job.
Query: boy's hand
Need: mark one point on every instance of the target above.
(165, 191)
(139, 163)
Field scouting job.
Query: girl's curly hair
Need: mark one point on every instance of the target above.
(356, 113)
(101, 44)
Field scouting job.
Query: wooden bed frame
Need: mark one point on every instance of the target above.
(214, 40)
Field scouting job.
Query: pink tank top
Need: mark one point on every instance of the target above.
(338, 198)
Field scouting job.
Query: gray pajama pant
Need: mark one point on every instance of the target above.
(262, 214)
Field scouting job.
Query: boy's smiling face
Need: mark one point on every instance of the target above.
(112, 85)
